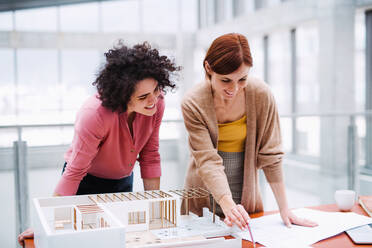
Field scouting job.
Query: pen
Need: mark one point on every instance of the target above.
(250, 233)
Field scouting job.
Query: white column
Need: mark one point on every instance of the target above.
(220, 8)
(185, 58)
(368, 94)
(336, 78)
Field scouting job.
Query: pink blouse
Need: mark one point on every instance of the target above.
(103, 146)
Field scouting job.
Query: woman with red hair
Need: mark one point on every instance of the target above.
(234, 130)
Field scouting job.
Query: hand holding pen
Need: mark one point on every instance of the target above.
(234, 218)
(236, 214)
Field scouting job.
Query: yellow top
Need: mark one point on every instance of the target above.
(231, 136)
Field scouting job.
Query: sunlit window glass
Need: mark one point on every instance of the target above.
(308, 136)
(286, 129)
(228, 9)
(360, 84)
(120, 16)
(360, 122)
(360, 66)
(6, 23)
(199, 55)
(307, 101)
(38, 93)
(189, 17)
(256, 45)
(40, 19)
(160, 16)
(79, 17)
(272, 3)
(172, 99)
(7, 87)
(249, 6)
(79, 70)
(210, 12)
(279, 69)
(307, 69)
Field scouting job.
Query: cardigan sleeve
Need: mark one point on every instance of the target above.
(208, 163)
(270, 152)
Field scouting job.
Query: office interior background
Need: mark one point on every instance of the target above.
(316, 55)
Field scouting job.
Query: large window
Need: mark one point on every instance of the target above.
(79, 69)
(308, 90)
(272, 3)
(307, 69)
(360, 83)
(42, 19)
(7, 86)
(280, 69)
(80, 18)
(6, 22)
(286, 125)
(240, 7)
(308, 136)
(48, 82)
(7, 97)
(227, 9)
(38, 94)
(189, 18)
(257, 51)
(160, 16)
(121, 16)
(360, 59)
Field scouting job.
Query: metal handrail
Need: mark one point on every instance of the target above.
(293, 115)
(20, 148)
(330, 114)
(21, 170)
(37, 125)
(62, 124)
(19, 127)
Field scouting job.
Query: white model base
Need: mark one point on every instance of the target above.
(125, 220)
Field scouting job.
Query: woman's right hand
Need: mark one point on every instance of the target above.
(28, 234)
(234, 213)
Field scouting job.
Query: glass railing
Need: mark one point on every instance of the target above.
(31, 159)
(324, 152)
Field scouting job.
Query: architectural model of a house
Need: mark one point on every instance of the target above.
(131, 219)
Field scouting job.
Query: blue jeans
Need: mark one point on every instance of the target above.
(96, 185)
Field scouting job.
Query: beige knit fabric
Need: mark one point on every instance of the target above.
(262, 145)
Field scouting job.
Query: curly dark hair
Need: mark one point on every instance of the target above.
(125, 67)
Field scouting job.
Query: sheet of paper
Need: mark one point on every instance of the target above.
(306, 246)
(271, 232)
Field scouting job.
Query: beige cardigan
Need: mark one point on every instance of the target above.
(262, 145)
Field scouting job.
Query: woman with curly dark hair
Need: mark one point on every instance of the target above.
(118, 125)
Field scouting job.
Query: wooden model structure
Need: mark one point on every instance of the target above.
(128, 219)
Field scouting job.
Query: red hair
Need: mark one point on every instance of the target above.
(227, 53)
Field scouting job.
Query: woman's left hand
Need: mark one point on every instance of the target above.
(289, 218)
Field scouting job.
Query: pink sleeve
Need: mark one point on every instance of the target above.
(89, 132)
(149, 157)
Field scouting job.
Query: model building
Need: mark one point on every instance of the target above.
(130, 219)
